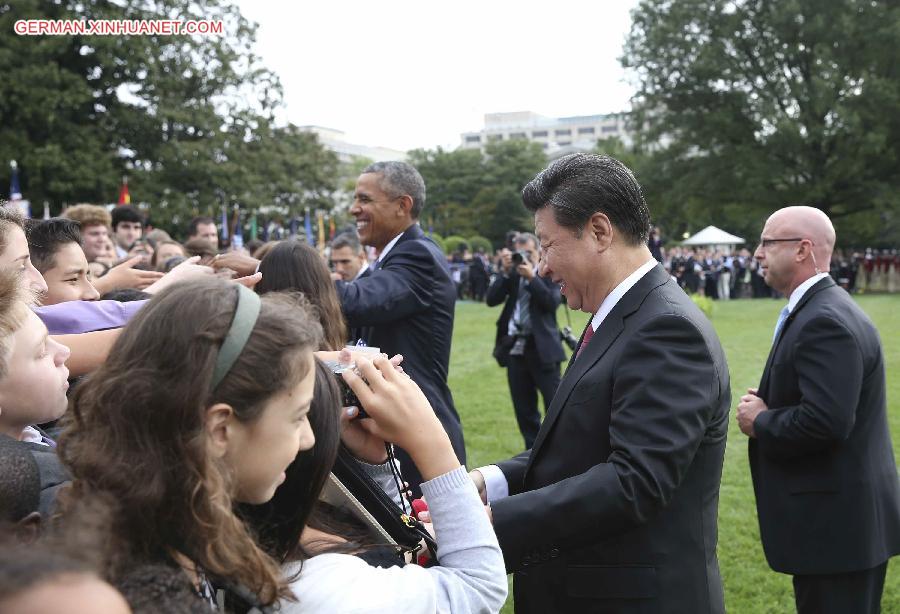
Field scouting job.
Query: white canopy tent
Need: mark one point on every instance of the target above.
(714, 237)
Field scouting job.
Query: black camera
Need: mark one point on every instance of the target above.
(566, 336)
(348, 397)
(518, 257)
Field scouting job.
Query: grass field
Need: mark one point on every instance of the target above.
(745, 328)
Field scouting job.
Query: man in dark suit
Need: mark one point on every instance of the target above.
(528, 333)
(820, 450)
(405, 304)
(614, 508)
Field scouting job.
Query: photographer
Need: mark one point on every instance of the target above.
(527, 342)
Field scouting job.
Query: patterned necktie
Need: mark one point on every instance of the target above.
(587, 337)
(785, 312)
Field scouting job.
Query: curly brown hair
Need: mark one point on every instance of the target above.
(88, 215)
(135, 433)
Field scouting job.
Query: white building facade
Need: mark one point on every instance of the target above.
(556, 136)
(336, 141)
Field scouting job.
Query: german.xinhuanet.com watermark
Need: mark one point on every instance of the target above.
(116, 27)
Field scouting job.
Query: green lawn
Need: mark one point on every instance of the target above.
(745, 328)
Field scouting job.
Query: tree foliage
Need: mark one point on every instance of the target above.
(189, 119)
(470, 192)
(744, 106)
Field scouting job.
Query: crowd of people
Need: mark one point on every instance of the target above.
(185, 429)
(168, 422)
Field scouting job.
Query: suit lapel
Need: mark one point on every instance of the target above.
(610, 329)
(413, 232)
(818, 287)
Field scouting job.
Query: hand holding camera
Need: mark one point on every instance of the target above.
(402, 415)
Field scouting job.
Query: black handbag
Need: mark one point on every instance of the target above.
(350, 487)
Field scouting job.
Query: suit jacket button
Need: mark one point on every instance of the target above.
(554, 553)
(526, 561)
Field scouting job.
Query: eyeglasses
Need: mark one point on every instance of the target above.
(770, 242)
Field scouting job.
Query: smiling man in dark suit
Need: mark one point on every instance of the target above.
(405, 304)
(820, 449)
(614, 508)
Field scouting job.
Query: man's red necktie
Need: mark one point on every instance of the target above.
(588, 333)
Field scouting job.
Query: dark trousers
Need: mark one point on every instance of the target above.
(526, 375)
(858, 592)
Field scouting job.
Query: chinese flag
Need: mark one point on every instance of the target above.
(124, 196)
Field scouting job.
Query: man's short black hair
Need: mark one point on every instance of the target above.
(126, 213)
(347, 239)
(194, 223)
(579, 185)
(20, 481)
(46, 237)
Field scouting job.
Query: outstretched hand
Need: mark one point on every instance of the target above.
(124, 275)
(242, 264)
(188, 269)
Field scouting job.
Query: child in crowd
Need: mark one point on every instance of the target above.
(471, 574)
(165, 251)
(33, 383)
(202, 403)
(56, 251)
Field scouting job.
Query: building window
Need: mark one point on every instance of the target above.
(537, 134)
(473, 138)
(518, 135)
(495, 137)
(588, 130)
(564, 143)
(566, 132)
(607, 129)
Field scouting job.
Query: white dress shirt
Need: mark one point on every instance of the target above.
(800, 290)
(388, 247)
(363, 269)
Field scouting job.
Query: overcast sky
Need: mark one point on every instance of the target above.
(407, 74)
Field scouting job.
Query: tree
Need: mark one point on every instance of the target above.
(189, 119)
(470, 192)
(754, 104)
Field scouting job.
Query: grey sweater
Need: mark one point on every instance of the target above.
(471, 576)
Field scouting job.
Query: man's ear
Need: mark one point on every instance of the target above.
(219, 428)
(406, 204)
(601, 229)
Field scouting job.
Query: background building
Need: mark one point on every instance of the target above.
(557, 136)
(336, 141)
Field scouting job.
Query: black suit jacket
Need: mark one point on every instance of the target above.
(822, 463)
(542, 305)
(53, 476)
(405, 305)
(614, 508)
